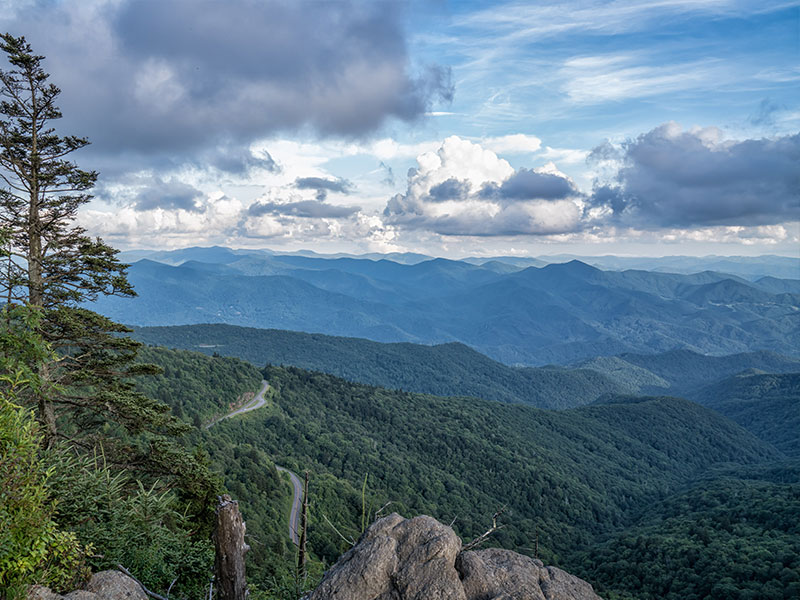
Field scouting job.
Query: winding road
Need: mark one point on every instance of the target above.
(294, 516)
(257, 402)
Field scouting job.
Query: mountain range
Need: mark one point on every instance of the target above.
(558, 313)
(748, 267)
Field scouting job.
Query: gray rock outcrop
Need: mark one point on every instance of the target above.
(41, 592)
(105, 585)
(421, 559)
(113, 585)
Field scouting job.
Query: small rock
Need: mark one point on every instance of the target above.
(40, 592)
(114, 585)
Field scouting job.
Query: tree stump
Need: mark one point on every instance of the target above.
(230, 548)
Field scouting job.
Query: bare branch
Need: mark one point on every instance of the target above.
(485, 535)
(350, 541)
(146, 591)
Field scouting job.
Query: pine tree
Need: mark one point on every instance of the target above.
(87, 396)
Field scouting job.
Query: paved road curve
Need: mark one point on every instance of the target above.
(257, 402)
(294, 516)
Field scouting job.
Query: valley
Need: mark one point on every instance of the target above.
(606, 459)
(580, 480)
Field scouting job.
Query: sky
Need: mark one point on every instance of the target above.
(454, 129)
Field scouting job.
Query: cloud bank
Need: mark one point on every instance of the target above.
(160, 77)
(669, 177)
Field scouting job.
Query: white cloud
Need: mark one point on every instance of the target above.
(570, 156)
(514, 20)
(465, 189)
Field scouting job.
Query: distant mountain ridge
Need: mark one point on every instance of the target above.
(454, 369)
(682, 372)
(558, 313)
(749, 267)
(451, 369)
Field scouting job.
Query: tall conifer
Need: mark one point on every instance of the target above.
(87, 396)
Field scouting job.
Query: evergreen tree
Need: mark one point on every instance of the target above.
(87, 396)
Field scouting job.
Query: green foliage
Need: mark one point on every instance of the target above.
(733, 535)
(444, 370)
(195, 386)
(32, 548)
(148, 530)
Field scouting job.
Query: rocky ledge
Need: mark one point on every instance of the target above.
(105, 585)
(421, 559)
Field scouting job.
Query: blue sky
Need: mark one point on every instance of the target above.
(450, 128)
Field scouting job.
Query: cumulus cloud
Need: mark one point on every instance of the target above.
(530, 184)
(669, 177)
(159, 77)
(465, 189)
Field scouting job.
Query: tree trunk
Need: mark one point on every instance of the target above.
(301, 555)
(47, 415)
(230, 549)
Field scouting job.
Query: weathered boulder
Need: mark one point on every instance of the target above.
(105, 585)
(421, 559)
(497, 574)
(114, 585)
(395, 559)
(41, 592)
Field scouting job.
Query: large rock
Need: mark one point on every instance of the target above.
(397, 559)
(497, 574)
(105, 585)
(114, 585)
(421, 559)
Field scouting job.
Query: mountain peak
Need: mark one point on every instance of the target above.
(573, 266)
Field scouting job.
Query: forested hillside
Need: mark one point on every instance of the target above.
(196, 386)
(686, 371)
(768, 405)
(445, 370)
(567, 476)
(598, 485)
(732, 534)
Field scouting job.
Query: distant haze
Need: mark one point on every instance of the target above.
(517, 311)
